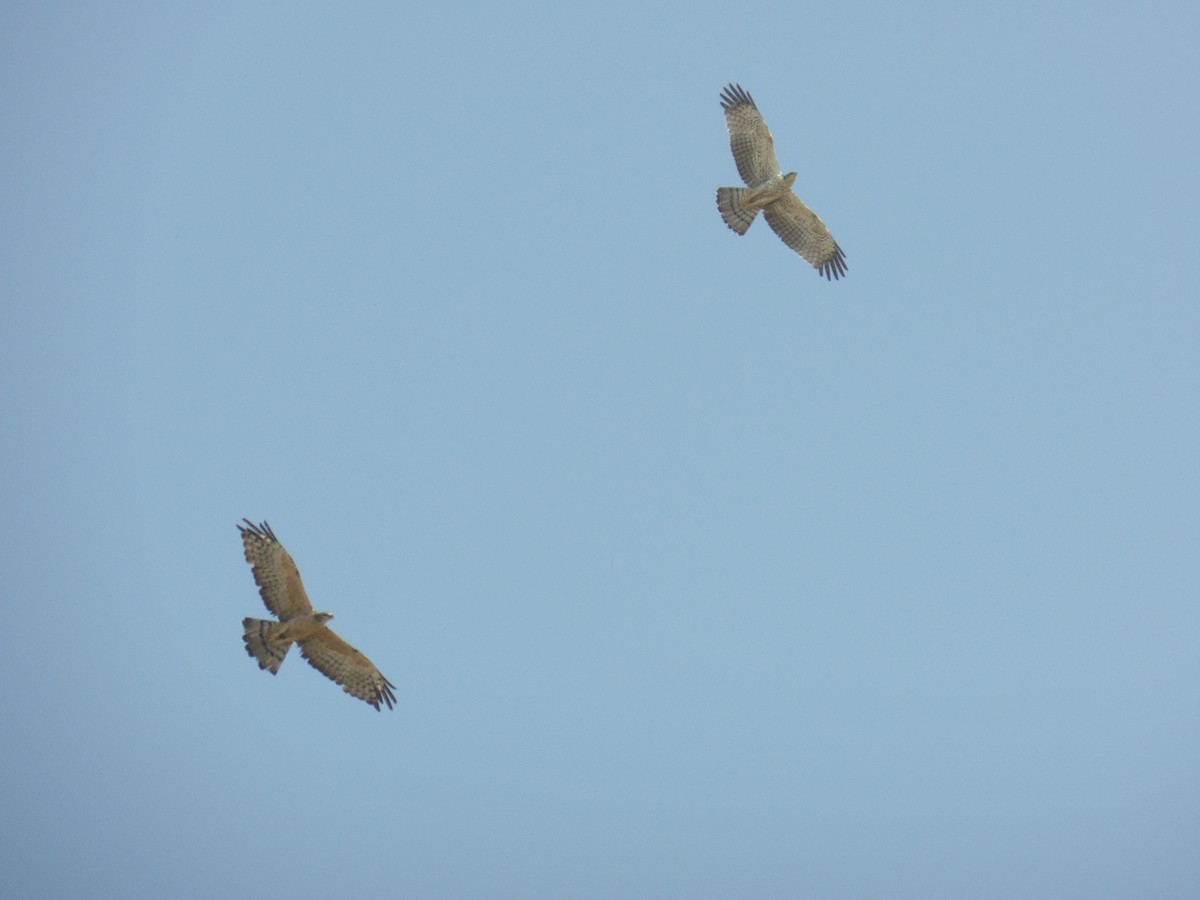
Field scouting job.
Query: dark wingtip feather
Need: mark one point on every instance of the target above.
(262, 530)
(835, 266)
(735, 95)
(385, 694)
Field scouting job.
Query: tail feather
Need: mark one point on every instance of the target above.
(260, 643)
(735, 214)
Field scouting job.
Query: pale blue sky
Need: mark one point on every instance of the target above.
(697, 575)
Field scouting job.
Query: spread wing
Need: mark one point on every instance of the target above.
(749, 138)
(802, 230)
(276, 575)
(333, 657)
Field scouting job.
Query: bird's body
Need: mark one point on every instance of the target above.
(770, 190)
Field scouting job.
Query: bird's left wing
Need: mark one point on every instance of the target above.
(803, 231)
(336, 659)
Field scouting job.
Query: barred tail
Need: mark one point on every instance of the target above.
(735, 214)
(261, 644)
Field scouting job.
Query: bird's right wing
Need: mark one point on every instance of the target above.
(749, 138)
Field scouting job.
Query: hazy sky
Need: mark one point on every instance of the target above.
(697, 575)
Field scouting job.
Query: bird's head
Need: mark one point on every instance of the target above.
(789, 179)
(322, 617)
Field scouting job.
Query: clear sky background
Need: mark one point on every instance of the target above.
(697, 575)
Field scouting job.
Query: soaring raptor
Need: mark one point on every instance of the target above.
(768, 189)
(279, 584)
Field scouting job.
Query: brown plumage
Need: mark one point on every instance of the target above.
(769, 189)
(282, 591)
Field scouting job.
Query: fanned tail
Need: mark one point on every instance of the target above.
(260, 643)
(735, 214)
